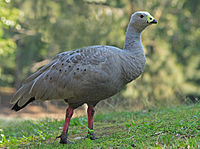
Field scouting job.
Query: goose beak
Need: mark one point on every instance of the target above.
(151, 20)
(154, 21)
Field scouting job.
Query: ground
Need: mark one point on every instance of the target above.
(154, 128)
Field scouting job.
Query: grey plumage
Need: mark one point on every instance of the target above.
(89, 74)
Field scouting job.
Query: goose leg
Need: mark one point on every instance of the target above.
(63, 136)
(90, 112)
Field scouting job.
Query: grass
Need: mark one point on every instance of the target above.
(167, 128)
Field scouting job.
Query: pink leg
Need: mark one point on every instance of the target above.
(69, 114)
(63, 136)
(90, 112)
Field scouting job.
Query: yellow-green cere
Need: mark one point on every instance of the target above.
(150, 18)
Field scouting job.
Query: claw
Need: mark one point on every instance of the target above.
(58, 137)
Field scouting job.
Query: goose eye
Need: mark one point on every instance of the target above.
(141, 16)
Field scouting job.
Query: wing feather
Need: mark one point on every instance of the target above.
(39, 72)
(24, 99)
(20, 92)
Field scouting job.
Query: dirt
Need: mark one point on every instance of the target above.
(36, 110)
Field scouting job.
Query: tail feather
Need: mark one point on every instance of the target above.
(16, 107)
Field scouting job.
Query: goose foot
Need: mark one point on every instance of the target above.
(91, 136)
(63, 139)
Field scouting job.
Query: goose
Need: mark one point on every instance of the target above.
(87, 75)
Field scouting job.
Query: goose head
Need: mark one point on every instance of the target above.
(140, 20)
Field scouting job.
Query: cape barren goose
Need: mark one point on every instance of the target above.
(88, 75)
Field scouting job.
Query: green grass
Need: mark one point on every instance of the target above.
(171, 128)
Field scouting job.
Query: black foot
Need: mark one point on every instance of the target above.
(91, 136)
(63, 139)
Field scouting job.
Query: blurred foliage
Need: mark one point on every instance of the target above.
(34, 30)
(8, 21)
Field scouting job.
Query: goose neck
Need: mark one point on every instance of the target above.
(133, 39)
